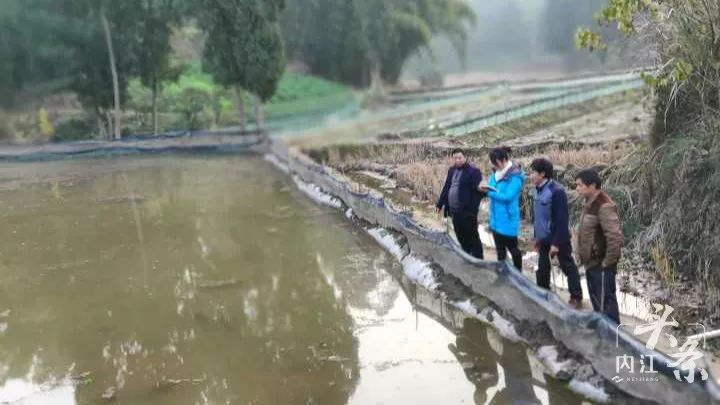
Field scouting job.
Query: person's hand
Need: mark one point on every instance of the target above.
(438, 210)
(483, 186)
(554, 250)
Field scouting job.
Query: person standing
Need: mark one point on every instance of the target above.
(461, 198)
(503, 189)
(552, 231)
(600, 241)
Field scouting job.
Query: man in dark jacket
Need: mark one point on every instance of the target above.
(552, 229)
(461, 198)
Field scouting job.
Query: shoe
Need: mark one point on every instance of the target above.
(576, 303)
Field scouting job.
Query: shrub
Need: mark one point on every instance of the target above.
(74, 129)
(43, 123)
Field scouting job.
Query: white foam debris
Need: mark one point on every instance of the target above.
(316, 194)
(589, 390)
(466, 306)
(277, 163)
(503, 326)
(549, 357)
(386, 240)
(349, 213)
(420, 272)
(415, 269)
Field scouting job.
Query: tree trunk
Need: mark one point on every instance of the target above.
(155, 106)
(376, 84)
(241, 108)
(102, 130)
(259, 118)
(377, 90)
(113, 70)
(109, 118)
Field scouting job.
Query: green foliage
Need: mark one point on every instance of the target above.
(29, 48)
(153, 45)
(193, 102)
(244, 47)
(91, 75)
(620, 12)
(43, 123)
(139, 97)
(296, 94)
(687, 38)
(679, 174)
(6, 131)
(74, 129)
(63, 41)
(359, 36)
(585, 38)
(152, 51)
(295, 87)
(558, 35)
(60, 45)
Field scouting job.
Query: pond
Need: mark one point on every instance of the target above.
(171, 279)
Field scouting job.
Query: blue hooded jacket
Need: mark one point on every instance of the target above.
(505, 202)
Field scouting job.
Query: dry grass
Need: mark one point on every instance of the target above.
(424, 179)
(416, 166)
(421, 168)
(658, 254)
(397, 154)
(584, 157)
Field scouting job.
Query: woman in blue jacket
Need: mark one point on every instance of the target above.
(503, 189)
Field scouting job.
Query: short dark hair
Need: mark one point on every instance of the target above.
(499, 153)
(542, 165)
(590, 177)
(457, 150)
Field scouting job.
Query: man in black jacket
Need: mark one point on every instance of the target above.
(461, 198)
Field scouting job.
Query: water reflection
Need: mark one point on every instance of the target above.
(507, 373)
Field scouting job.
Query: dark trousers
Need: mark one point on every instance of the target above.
(503, 244)
(567, 265)
(601, 285)
(466, 230)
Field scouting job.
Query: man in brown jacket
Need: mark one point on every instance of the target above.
(600, 241)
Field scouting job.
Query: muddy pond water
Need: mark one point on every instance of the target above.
(193, 279)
